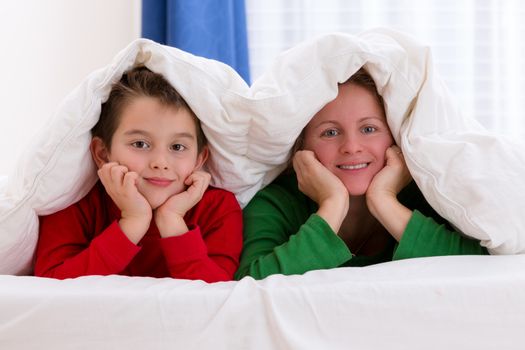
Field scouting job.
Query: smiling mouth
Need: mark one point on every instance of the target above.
(354, 166)
(159, 182)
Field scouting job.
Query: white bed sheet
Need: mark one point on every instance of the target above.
(459, 302)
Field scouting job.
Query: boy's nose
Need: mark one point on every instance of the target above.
(159, 161)
(160, 166)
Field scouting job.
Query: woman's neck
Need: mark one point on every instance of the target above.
(358, 206)
(358, 214)
(360, 230)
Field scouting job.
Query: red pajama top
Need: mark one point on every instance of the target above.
(86, 239)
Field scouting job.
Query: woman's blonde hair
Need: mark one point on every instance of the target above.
(360, 78)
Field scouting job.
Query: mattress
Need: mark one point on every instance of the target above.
(455, 302)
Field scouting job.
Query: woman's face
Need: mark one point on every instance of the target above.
(350, 136)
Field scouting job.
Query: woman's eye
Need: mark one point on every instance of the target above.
(330, 132)
(368, 129)
(178, 147)
(140, 144)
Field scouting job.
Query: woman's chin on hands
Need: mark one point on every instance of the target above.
(315, 180)
(392, 178)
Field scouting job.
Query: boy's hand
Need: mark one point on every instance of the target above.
(121, 185)
(322, 186)
(169, 217)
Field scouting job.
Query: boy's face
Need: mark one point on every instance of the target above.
(350, 136)
(159, 143)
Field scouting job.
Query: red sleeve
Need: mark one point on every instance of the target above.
(66, 248)
(210, 251)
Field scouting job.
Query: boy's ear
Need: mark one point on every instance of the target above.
(99, 151)
(201, 158)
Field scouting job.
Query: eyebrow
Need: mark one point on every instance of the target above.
(133, 132)
(381, 119)
(332, 121)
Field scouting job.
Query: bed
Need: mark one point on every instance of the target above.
(471, 176)
(463, 302)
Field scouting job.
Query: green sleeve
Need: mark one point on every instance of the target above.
(281, 235)
(425, 237)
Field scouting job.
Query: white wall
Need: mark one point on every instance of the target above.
(47, 48)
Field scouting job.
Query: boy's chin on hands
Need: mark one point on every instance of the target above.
(170, 219)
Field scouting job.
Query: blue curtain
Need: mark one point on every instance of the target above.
(210, 28)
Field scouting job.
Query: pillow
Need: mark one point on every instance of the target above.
(470, 176)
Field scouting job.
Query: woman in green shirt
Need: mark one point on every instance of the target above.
(350, 200)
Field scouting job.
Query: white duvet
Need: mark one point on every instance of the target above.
(456, 303)
(471, 177)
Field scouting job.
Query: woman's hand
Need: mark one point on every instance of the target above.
(169, 217)
(392, 178)
(121, 185)
(323, 187)
(381, 196)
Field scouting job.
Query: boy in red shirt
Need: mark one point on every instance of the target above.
(152, 212)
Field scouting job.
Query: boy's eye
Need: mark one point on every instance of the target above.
(178, 147)
(330, 133)
(140, 144)
(368, 129)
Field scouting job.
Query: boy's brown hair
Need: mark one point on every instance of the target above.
(139, 82)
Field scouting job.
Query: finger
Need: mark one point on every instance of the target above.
(105, 169)
(305, 156)
(297, 157)
(206, 177)
(301, 160)
(394, 148)
(109, 165)
(129, 181)
(104, 173)
(191, 179)
(295, 164)
(298, 168)
(394, 153)
(197, 189)
(198, 181)
(198, 176)
(117, 173)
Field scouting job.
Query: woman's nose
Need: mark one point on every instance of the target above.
(351, 144)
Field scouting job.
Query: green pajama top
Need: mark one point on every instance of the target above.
(282, 234)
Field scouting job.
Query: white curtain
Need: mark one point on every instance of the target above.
(478, 46)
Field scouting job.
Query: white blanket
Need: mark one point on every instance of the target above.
(462, 302)
(472, 177)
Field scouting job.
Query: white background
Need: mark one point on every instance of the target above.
(478, 46)
(47, 49)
